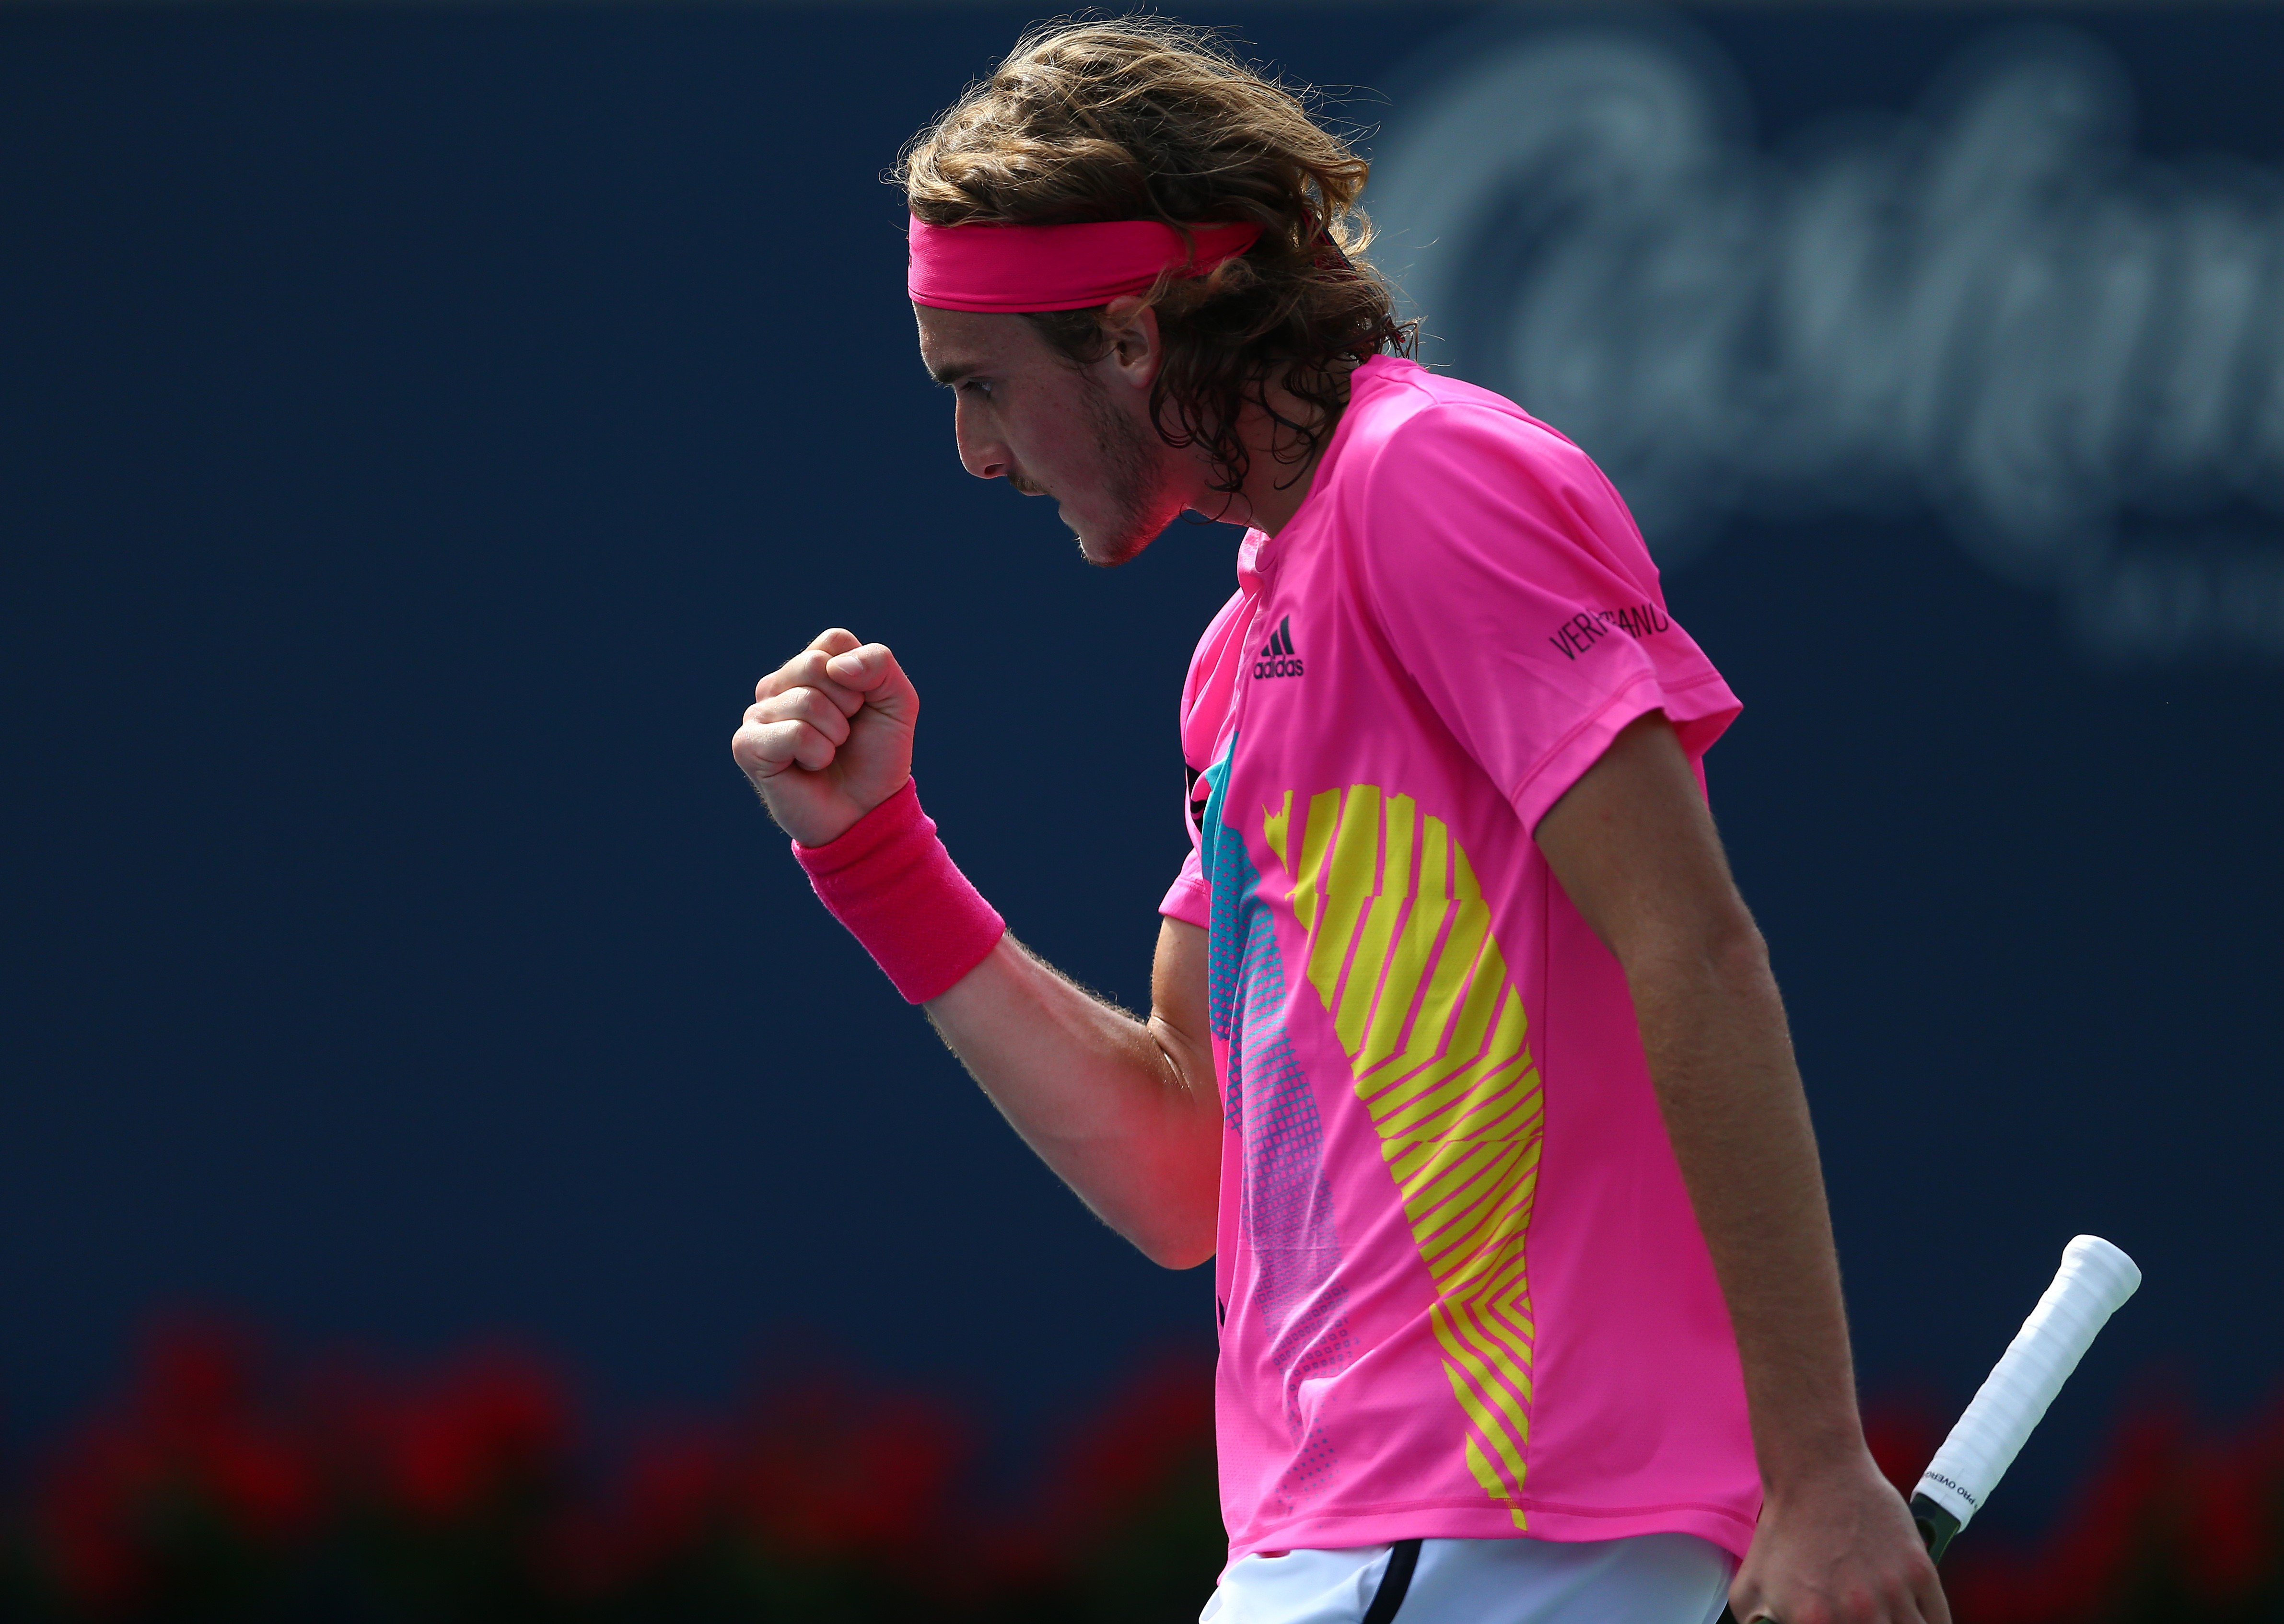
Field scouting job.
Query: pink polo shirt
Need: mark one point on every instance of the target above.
(1462, 1292)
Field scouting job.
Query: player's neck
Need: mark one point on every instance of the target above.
(1276, 482)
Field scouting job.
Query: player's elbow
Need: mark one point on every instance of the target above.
(1736, 949)
(1714, 946)
(1185, 1251)
(1178, 1234)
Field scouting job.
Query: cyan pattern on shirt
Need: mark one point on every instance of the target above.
(1286, 1212)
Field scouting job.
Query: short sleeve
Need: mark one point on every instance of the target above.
(1515, 590)
(1207, 694)
(1188, 900)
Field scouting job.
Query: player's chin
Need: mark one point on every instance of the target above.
(1110, 555)
(1116, 539)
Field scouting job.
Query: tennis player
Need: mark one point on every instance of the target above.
(1465, 1064)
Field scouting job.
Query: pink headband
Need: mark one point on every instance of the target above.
(1001, 269)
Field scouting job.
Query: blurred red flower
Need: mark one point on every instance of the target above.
(192, 1448)
(491, 1428)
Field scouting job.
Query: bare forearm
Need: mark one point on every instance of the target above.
(1634, 846)
(1115, 1105)
(1713, 1026)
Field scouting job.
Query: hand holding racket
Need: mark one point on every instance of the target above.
(2094, 1279)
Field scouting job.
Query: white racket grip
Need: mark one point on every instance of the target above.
(2094, 1278)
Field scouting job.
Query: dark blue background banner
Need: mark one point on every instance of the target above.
(421, 428)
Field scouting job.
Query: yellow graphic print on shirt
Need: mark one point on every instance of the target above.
(1401, 952)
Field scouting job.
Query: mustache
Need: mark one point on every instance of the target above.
(1026, 485)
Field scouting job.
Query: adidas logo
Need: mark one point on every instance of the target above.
(1277, 658)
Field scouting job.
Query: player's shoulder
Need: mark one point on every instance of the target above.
(1404, 415)
(1228, 623)
(1431, 455)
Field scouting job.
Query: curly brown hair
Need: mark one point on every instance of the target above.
(1143, 119)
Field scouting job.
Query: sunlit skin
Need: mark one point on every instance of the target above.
(1083, 434)
(1127, 1111)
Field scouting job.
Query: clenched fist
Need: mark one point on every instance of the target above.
(829, 735)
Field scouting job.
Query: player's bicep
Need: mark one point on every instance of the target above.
(1633, 845)
(1179, 1015)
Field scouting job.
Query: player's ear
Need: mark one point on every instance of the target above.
(1132, 345)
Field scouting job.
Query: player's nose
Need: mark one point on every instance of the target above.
(982, 453)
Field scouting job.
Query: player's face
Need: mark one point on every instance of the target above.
(1080, 435)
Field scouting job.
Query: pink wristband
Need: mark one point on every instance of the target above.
(890, 881)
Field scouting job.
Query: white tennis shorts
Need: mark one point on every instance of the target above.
(1649, 1578)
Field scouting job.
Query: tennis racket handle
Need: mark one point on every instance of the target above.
(2094, 1278)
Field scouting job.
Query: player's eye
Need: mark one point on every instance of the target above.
(978, 387)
